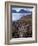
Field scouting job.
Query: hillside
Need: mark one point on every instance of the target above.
(25, 19)
(24, 23)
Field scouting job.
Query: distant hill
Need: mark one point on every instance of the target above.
(24, 11)
(14, 11)
(26, 19)
(21, 11)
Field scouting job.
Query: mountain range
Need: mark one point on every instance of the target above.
(21, 11)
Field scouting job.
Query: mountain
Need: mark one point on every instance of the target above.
(21, 11)
(25, 19)
(14, 11)
(24, 11)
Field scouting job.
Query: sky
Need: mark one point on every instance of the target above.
(17, 16)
